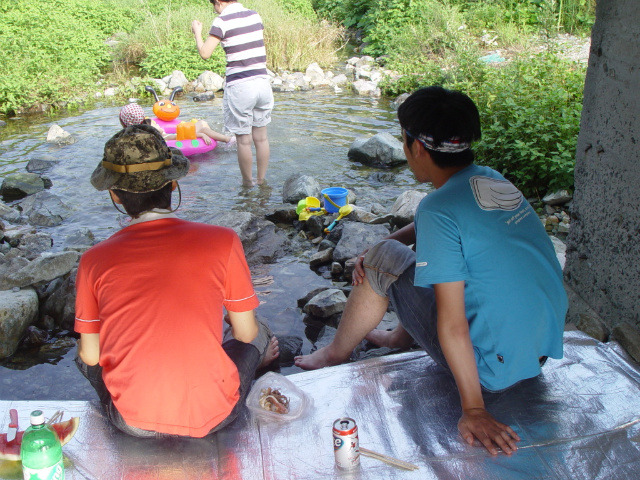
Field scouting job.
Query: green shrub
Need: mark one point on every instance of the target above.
(350, 13)
(164, 42)
(299, 7)
(530, 114)
(512, 21)
(573, 16)
(161, 60)
(294, 41)
(55, 48)
(434, 34)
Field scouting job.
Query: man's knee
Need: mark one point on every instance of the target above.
(385, 262)
(391, 256)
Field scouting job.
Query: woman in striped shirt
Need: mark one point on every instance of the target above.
(248, 98)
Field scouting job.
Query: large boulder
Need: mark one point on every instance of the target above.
(381, 150)
(366, 88)
(44, 209)
(404, 208)
(284, 213)
(360, 214)
(326, 303)
(356, 237)
(79, 240)
(211, 81)
(261, 241)
(628, 336)
(19, 185)
(10, 214)
(40, 165)
(43, 269)
(32, 245)
(58, 136)
(560, 197)
(176, 79)
(315, 75)
(59, 300)
(18, 310)
(290, 347)
(297, 187)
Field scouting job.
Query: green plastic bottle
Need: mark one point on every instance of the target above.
(41, 452)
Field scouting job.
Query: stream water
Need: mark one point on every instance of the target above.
(310, 134)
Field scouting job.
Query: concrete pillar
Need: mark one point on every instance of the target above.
(603, 245)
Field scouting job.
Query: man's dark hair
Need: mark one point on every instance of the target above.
(442, 115)
(137, 203)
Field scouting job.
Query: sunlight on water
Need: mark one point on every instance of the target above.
(310, 134)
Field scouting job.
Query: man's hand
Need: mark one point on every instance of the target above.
(478, 423)
(357, 277)
(196, 28)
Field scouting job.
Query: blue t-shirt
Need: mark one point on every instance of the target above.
(479, 228)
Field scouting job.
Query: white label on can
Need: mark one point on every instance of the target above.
(55, 472)
(346, 450)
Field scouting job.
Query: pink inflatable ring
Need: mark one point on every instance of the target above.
(192, 147)
(187, 147)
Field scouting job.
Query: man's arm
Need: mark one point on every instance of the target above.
(406, 234)
(453, 334)
(244, 326)
(205, 48)
(89, 348)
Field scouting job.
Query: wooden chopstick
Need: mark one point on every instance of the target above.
(55, 417)
(387, 459)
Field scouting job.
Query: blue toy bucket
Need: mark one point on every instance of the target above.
(338, 195)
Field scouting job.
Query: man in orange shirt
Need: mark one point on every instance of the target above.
(150, 299)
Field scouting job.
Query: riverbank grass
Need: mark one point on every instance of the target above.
(62, 51)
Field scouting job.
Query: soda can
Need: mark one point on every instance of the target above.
(345, 443)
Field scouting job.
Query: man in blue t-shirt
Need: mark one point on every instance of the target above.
(482, 293)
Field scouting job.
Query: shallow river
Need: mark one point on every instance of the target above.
(310, 134)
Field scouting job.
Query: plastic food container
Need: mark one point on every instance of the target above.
(299, 401)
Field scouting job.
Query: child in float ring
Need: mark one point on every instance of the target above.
(132, 114)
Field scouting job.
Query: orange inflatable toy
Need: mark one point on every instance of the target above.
(167, 113)
(165, 110)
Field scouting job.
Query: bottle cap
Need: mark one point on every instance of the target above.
(37, 417)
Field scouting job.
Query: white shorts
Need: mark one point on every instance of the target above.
(247, 104)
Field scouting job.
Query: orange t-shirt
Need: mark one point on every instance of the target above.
(155, 292)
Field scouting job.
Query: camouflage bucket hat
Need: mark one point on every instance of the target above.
(137, 159)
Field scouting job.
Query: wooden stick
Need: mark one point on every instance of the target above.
(55, 417)
(387, 459)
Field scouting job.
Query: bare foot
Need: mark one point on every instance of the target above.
(318, 359)
(273, 352)
(396, 338)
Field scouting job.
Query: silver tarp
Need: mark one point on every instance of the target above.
(579, 420)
